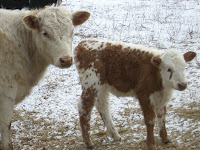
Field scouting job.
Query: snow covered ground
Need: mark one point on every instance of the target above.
(48, 118)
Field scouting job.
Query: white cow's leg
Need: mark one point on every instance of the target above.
(6, 113)
(103, 106)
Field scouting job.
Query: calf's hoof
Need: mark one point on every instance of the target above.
(91, 147)
(116, 137)
(121, 139)
(167, 142)
(152, 147)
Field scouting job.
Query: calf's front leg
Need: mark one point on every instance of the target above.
(149, 118)
(161, 112)
(6, 113)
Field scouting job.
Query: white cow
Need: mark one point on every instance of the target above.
(29, 42)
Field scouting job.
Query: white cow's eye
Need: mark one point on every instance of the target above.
(45, 34)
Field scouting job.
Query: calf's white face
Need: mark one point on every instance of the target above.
(172, 68)
(53, 30)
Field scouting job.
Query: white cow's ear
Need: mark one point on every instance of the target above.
(31, 22)
(156, 61)
(189, 56)
(80, 17)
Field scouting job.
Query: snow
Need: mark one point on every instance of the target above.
(161, 24)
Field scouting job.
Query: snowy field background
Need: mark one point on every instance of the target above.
(48, 118)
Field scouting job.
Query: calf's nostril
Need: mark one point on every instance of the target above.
(62, 60)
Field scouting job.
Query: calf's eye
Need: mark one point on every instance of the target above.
(169, 70)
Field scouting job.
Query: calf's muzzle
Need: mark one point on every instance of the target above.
(66, 61)
(182, 86)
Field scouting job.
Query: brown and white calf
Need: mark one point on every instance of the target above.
(29, 42)
(125, 69)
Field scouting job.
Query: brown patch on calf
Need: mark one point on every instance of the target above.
(156, 61)
(128, 69)
(88, 97)
(87, 57)
(125, 69)
(116, 76)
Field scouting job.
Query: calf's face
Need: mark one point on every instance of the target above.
(172, 68)
(53, 29)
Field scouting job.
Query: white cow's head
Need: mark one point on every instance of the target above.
(52, 28)
(172, 68)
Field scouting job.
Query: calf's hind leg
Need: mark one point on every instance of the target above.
(85, 107)
(103, 106)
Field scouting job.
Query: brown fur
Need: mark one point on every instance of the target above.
(189, 56)
(82, 17)
(124, 69)
(32, 22)
(88, 96)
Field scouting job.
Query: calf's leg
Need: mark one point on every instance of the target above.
(149, 118)
(103, 106)
(161, 112)
(6, 113)
(85, 107)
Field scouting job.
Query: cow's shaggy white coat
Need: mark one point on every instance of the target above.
(29, 42)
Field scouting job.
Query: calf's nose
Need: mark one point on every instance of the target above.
(182, 86)
(66, 61)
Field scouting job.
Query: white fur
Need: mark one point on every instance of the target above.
(161, 98)
(97, 46)
(174, 60)
(89, 78)
(103, 106)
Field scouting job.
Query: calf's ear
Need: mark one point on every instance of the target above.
(189, 56)
(80, 17)
(31, 22)
(156, 61)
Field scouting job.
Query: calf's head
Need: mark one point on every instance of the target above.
(172, 68)
(52, 31)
